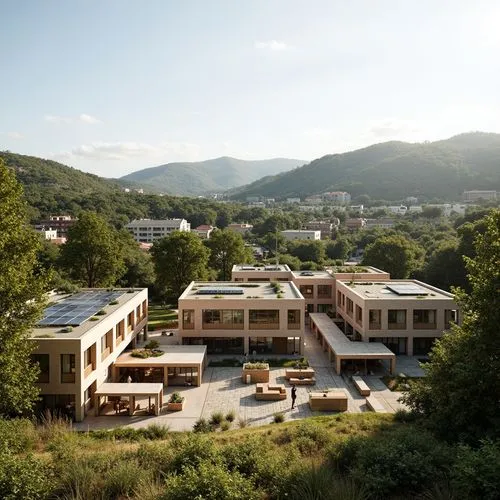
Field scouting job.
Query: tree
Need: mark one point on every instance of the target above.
(226, 249)
(22, 297)
(93, 254)
(179, 259)
(459, 397)
(138, 263)
(307, 250)
(393, 254)
(338, 249)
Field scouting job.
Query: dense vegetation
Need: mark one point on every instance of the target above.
(393, 171)
(210, 176)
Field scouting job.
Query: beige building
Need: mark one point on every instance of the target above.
(234, 318)
(301, 234)
(77, 345)
(240, 228)
(405, 315)
(149, 230)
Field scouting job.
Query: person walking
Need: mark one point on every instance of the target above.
(294, 396)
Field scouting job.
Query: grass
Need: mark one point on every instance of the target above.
(398, 383)
(160, 318)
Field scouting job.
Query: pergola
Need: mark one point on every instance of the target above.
(174, 357)
(340, 348)
(131, 391)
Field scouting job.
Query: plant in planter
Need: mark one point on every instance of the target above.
(259, 372)
(102, 312)
(176, 402)
(146, 353)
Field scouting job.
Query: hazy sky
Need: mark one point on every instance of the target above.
(112, 86)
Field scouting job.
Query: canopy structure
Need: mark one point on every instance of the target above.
(339, 347)
(130, 391)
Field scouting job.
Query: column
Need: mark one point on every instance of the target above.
(409, 346)
(246, 344)
(165, 376)
(338, 365)
(145, 332)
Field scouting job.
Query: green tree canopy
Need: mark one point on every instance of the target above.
(459, 397)
(307, 250)
(179, 259)
(339, 248)
(93, 254)
(393, 254)
(138, 263)
(22, 298)
(226, 249)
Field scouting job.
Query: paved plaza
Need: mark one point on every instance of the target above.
(223, 390)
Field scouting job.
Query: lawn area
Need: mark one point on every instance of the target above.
(160, 317)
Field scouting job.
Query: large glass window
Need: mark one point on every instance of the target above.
(261, 345)
(264, 319)
(424, 319)
(294, 319)
(68, 369)
(396, 344)
(375, 319)
(188, 319)
(324, 291)
(43, 361)
(396, 319)
(223, 319)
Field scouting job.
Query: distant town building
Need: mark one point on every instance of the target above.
(293, 200)
(48, 234)
(240, 228)
(357, 208)
(383, 223)
(301, 234)
(411, 200)
(149, 230)
(355, 223)
(59, 223)
(337, 197)
(398, 209)
(258, 204)
(415, 209)
(325, 227)
(251, 199)
(203, 231)
(475, 195)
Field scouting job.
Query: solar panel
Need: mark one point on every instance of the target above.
(248, 268)
(220, 291)
(407, 289)
(78, 308)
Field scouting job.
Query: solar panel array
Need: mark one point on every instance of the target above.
(220, 291)
(77, 308)
(407, 289)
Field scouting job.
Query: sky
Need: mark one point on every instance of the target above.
(114, 86)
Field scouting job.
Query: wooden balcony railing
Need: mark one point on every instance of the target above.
(222, 326)
(105, 353)
(88, 370)
(424, 326)
(264, 326)
(68, 378)
(375, 326)
(294, 326)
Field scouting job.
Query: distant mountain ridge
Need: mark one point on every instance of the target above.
(393, 170)
(209, 176)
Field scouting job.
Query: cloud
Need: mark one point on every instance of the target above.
(392, 127)
(15, 135)
(82, 118)
(273, 45)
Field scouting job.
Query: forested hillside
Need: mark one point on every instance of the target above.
(210, 176)
(394, 170)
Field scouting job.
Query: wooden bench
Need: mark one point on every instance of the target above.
(361, 385)
(329, 401)
(302, 381)
(299, 372)
(375, 405)
(270, 392)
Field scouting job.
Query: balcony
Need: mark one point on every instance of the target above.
(264, 326)
(294, 326)
(88, 370)
(188, 326)
(68, 378)
(222, 326)
(424, 326)
(374, 326)
(105, 353)
(397, 326)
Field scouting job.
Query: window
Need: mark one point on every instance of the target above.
(144, 308)
(264, 319)
(188, 319)
(120, 331)
(350, 307)
(307, 291)
(324, 291)
(450, 316)
(106, 344)
(225, 319)
(396, 319)
(294, 319)
(359, 315)
(43, 361)
(396, 344)
(130, 321)
(424, 319)
(68, 368)
(138, 313)
(89, 360)
(375, 319)
(324, 308)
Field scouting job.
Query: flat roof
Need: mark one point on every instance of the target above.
(252, 290)
(396, 289)
(312, 274)
(125, 389)
(354, 269)
(345, 348)
(175, 355)
(266, 268)
(122, 296)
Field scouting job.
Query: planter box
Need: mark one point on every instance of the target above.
(299, 373)
(256, 376)
(176, 406)
(331, 401)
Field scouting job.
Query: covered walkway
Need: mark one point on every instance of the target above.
(340, 348)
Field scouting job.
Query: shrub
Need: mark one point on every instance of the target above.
(216, 418)
(113, 303)
(156, 457)
(94, 318)
(122, 479)
(201, 425)
(230, 415)
(101, 312)
(24, 478)
(242, 422)
(192, 450)
(17, 435)
(152, 344)
(278, 417)
(67, 329)
(156, 431)
(256, 366)
(210, 480)
(146, 353)
(225, 425)
(176, 397)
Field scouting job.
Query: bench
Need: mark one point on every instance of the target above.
(270, 392)
(302, 381)
(361, 385)
(299, 372)
(375, 405)
(329, 401)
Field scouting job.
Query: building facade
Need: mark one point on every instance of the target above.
(59, 223)
(301, 234)
(149, 230)
(476, 195)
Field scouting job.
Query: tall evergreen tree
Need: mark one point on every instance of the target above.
(21, 299)
(460, 396)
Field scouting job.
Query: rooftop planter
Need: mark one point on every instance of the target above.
(259, 372)
(176, 402)
(146, 353)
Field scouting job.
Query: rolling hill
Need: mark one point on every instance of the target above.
(210, 176)
(393, 170)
